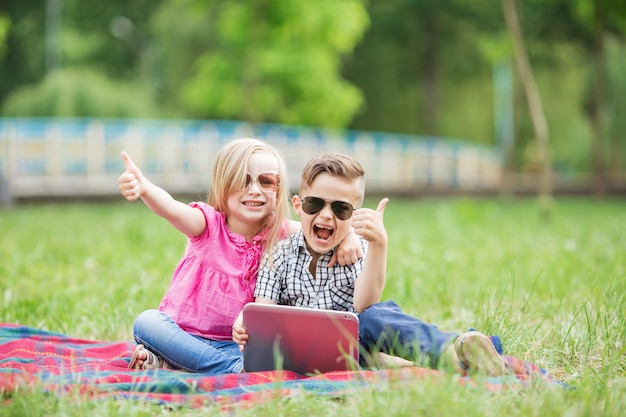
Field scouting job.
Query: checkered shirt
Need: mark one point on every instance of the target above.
(287, 280)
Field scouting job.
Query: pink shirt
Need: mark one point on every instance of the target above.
(214, 279)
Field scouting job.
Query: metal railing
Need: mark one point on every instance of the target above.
(81, 157)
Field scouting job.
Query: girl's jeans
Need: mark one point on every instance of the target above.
(161, 335)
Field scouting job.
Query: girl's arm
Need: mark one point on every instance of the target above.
(134, 185)
(294, 227)
(348, 252)
(239, 332)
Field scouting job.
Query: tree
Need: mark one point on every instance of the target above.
(535, 105)
(83, 70)
(600, 17)
(276, 61)
(413, 60)
(587, 24)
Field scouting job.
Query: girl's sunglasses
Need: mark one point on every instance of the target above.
(268, 181)
(313, 205)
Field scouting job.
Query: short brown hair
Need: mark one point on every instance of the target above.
(336, 164)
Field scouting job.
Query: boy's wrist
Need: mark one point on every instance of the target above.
(377, 245)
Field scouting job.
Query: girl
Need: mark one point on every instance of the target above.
(247, 212)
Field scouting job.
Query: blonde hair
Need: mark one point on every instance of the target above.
(336, 164)
(229, 176)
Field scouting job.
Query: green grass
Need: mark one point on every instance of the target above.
(553, 289)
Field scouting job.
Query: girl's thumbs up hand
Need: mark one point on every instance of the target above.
(131, 182)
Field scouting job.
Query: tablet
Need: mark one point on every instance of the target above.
(299, 339)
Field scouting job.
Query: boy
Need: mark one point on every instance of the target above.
(296, 273)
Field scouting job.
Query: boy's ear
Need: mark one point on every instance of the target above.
(297, 204)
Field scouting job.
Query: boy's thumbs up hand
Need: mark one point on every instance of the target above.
(381, 206)
(131, 181)
(369, 223)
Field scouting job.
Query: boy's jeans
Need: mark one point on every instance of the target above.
(161, 335)
(383, 327)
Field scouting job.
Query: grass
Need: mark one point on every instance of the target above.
(553, 289)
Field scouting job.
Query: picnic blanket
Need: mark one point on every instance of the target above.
(62, 364)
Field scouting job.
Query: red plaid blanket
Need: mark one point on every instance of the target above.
(58, 363)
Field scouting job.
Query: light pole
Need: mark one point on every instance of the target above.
(149, 55)
(54, 17)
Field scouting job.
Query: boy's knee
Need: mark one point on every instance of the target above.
(378, 308)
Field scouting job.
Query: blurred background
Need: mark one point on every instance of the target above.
(433, 96)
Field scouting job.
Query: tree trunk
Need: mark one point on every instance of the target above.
(535, 106)
(597, 122)
(430, 86)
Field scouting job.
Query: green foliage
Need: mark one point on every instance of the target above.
(553, 290)
(179, 48)
(88, 38)
(23, 60)
(5, 26)
(590, 26)
(569, 126)
(278, 61)
(496, 47)
(417, 67)
(412, 59)
(75, 92)
(617, 108)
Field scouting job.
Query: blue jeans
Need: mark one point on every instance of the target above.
(161, 335)
(383, 327)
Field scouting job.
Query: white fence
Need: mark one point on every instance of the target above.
(80, 157)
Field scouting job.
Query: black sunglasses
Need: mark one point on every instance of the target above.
(313, 205)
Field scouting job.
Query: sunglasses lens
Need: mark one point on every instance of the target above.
(342, 209)
(268, 181)
(312, 205)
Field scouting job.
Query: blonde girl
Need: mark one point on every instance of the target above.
(247, 212)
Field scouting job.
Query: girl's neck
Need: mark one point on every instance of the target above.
(244, 229)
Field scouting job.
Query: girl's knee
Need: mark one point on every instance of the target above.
(146, 320)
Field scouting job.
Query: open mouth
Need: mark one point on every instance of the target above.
(253, 203)
(323, 232)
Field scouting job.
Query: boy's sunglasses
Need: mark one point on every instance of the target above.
(268, 181)
(313, 205)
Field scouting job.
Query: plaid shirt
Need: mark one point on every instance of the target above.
(287, 280)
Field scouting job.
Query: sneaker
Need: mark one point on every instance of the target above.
(478, 355)
(449, 360)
